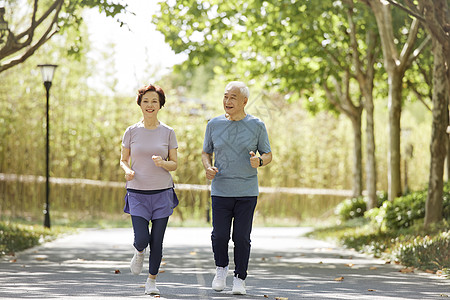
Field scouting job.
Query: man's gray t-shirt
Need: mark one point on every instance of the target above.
(143, 144)
(231, 142)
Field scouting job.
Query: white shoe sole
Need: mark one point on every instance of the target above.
(152, 293)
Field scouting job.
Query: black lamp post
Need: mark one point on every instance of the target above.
(47, 76)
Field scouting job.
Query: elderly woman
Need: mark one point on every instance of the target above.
(151, 148)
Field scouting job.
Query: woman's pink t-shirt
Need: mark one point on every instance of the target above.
(143, 144)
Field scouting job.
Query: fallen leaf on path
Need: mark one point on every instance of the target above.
(279, 256)
(444, 295)
(162, 271)
(350, 265)
(299, 286)
(116, 271)
(339, 278)
(372, 290)
(320, 262)
(163, 264)
(263, 259)
(193, 253)
(388, 262)
(373, 268)
(406, 270)
(13, 260)
(265, 296)
(281, 298)
(40, 258)
(429, 271)
(80, 259)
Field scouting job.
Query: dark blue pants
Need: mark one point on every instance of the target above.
(142, 238)
(239, 212)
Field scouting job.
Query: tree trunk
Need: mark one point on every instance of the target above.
(371, 170)
(448, 158)
(394, 155)
(340, 98)
(439, 136)
(364, 74)
(357, 155)
(395, 65)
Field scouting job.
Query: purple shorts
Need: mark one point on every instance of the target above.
(151, 207)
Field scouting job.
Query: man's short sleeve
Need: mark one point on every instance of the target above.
(207, 143)
(263, 140)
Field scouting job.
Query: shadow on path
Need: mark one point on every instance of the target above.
(94, 264)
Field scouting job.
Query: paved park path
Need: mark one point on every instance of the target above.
(94, 264)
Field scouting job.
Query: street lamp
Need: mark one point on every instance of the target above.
(47, 77)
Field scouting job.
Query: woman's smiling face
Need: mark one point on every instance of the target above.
(150, 104)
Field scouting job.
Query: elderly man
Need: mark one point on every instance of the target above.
(234, 138)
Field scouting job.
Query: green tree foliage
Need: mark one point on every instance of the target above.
(286, 43)
(33, 23)
(87, 126)
(298, 48)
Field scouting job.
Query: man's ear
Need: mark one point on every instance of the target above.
(245, 101)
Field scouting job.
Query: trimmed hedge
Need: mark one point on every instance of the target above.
(403, 212)
(351, 208)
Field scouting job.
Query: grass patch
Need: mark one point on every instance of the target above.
(425, 249)
(19, 235)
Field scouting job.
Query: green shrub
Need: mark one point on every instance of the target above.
(368, 242)
(377, 216)
(17, 237)
(381, 198)
(446, 201)
(351, 208)
(404, 211)
(426, 253)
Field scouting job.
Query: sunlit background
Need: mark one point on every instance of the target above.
(93, 102)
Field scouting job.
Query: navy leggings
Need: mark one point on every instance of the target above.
(239, 211)
(142, 238)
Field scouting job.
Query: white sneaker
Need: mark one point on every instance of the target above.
(238, 286)
(150, 287)
(220, 280)
(137, 262)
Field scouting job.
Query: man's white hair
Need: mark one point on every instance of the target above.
(241, 86)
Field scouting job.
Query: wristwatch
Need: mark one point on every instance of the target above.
(260, 161)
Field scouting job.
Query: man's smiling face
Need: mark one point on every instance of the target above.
(233, 101)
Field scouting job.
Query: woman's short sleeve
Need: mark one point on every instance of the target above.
(126, 139)
(173, 144)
